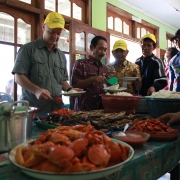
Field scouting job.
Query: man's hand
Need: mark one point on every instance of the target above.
(43, 94)
(86, 82)
(151, 90)
(137, 84)
(78, 89)
(99, 79)
(170, 118)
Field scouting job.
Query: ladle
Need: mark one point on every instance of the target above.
(112, 80)
(123, 133)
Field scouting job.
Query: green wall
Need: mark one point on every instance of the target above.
(99, 18)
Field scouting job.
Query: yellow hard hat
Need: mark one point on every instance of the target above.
(54, 20)
(150, 36)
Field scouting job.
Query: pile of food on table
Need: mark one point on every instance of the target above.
(79, 141)
(98, 118)
(68, 149)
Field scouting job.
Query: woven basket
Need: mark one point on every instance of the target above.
(142, 106)
(117, 104)
(160, 106)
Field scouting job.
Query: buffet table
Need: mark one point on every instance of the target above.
(150, 162)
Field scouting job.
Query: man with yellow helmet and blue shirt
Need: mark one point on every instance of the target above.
(40, 67)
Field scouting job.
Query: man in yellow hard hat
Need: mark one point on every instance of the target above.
(151, 67)
(40, 67)
(124, 68)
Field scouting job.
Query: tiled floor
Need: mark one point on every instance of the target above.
(165, 177)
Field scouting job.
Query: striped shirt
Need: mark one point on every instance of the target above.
(152, 73)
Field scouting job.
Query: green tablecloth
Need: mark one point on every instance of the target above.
(150, 162)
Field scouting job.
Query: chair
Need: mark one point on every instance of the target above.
(5, 97)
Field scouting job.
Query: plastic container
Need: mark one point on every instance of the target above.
(117, 104)
(161, 106)
(142, 106)
(15, 124)
(164, 137)
(44, 125)
(133, 138)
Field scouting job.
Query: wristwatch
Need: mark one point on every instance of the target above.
(69, 89)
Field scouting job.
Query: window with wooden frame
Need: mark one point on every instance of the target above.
(118, 24)
(121, 26)
(168, 40)
(75, 9)
(141, 30)
(70, 9)
(21, 22)
(26, 1)
(16, 28)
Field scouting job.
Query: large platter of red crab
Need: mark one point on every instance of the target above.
(71, 152)
(158, 131)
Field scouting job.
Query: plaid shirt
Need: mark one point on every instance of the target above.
(84, 69)
(126, 69)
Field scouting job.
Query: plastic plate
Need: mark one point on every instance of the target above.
(78, 93)
(164, 137)
(115, 90)
(129, 78)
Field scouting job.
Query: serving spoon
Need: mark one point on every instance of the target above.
(112, 80)
(123, 133)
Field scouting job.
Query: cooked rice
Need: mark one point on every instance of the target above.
(164, 94)
(120, 94)
(71, 91)
(114, 87)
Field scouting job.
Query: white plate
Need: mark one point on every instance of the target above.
(78, 93)
(103, 173)
(115, 90)
(129, 78)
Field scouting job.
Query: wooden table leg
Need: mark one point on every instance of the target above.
(174, 173)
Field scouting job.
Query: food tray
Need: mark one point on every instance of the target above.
(44, 125)
(51, 126)
(117, 104)
(133, 138)
(163, 137)
(105, 173)
(100, 120)
(114, 130)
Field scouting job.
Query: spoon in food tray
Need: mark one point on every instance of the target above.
(112, 80)
(123, 133)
